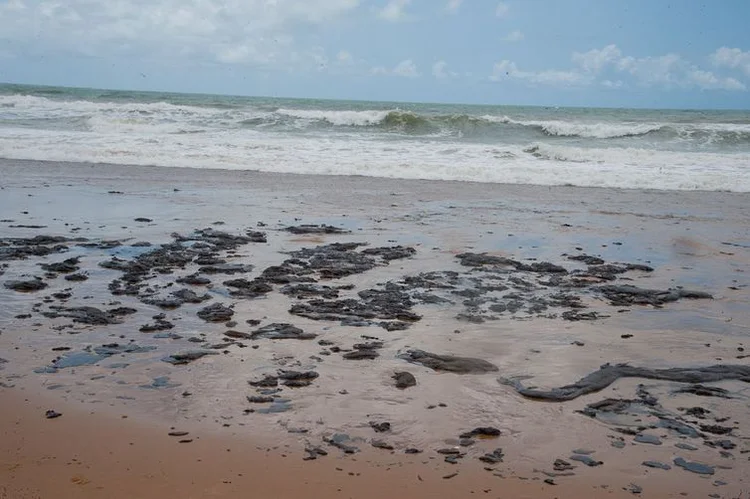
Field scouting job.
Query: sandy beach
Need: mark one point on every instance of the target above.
(489, 296)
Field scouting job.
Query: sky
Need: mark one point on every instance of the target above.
(610, 53)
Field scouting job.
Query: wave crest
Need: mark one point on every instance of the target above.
(166, 113)
(600, 130)
(460, 123)
(388, 119)
(338, 118)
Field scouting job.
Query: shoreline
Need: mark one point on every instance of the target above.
(13, 164)
(691, 239)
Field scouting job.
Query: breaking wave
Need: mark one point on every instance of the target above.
(411, 121)
(116, 113)
(592, 147)
(469, 125)
(584, 130)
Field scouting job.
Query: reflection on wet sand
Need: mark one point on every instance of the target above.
(389, 319)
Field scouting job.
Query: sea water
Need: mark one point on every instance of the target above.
(622, 148)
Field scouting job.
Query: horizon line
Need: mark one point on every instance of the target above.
(326, 99)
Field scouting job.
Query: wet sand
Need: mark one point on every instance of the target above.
(92, 455)
(692, 239)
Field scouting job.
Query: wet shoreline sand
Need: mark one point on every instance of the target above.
(692, 239)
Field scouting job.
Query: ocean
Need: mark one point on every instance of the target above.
(619, 148)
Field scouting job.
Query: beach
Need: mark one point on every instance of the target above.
(330, 286)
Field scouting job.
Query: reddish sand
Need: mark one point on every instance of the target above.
(91, 455)
(87, 455)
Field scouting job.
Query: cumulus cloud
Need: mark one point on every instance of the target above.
(664, 69)
(344, 57)
(599, 65)
(672, 70)
(733, 58)
(502, 9)
(407, 69)
(514, 36)
(706, 80)
(394, 10)
(503, 70)
(595, 59)
(438, 70)
(233, 31)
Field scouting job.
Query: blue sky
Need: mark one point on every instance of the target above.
(642, 53)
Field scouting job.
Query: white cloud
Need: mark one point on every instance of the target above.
(232, 31)
(514, 36)
(595, 59)
(453, 6)
(732, 58)
(236, 53)
(407, 69)
(506, 69)
(502, 9)
(344, 57)
(671, 70)
(394, 10)
(439, 71)
(503, 70)
(557, 77)
(666, 71)
(706, 80)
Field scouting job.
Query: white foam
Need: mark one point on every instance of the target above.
(126, 117)
(339, 118)
(33, 106)
(541, 164)
(164, 134)
(499, 119)
(599, 130)
(726, 127)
